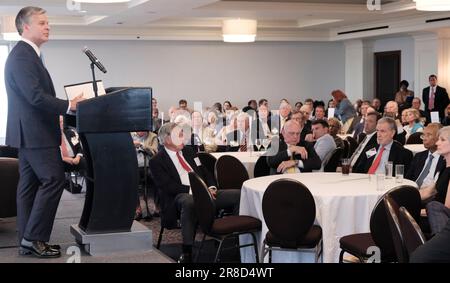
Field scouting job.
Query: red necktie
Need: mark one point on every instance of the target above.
(431, 100)
(376, 162)
(64, 151)
(243, 146)
(183, 163)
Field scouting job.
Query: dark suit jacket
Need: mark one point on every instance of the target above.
(33, 116)
(418, 163)
(359, 166)
(440, 101)
(168, 183)
(312, 163)
(398, 155)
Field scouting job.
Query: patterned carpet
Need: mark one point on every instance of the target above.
(171, 244)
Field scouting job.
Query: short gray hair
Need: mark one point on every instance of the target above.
(24, 15)
(389, 121)
(165, 131)
(445, 132)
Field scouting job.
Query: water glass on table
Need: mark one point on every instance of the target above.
(345, 162)
(399, 172)
(380, 181)
(389, 169)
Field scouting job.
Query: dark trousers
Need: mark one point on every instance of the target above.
(225, 199)
(39, 190)
(435, 250)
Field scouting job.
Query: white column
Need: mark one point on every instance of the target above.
(359, 69)
(425, 60)
(443, 51)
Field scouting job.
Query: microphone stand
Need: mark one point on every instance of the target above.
(94, 82)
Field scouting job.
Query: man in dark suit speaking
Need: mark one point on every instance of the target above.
(33, 128)
(435, 98)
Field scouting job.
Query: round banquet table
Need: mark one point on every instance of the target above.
(247, 158)
(415, 148)
(343, 207)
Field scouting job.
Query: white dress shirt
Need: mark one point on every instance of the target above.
(184, 175)
(361, 147)
(385, 158)
(431, 178)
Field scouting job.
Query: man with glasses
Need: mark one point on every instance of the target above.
(426, 165)
(294, 155)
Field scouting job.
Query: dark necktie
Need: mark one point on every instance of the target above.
(425, 171)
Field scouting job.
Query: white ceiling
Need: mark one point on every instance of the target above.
(296, 20)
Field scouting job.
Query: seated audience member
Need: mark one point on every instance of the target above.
(196, 141)
(261, 127)
(182, 105)
(221, 137)
(438, 210)
(306, 111)
(331, 104)
(324, 143)
(335, 129)
(446, 121)
(226, 106)
(299, 118)
(319, 113)
(357, 125)
(344, 108)
(376, 104)
(416, 103)
(404, 96)
(427, 165)
(71, 150)
(374, 160)
(170, 168)
(298, 105)
(391, 111)
(368, 143)
(414, 126)
(293, 155)
(240, 138)
(283, 115)
(404, 118)
(156, 121)
(264, 102)
(251, 105)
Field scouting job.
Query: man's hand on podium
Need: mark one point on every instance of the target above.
(74, 102)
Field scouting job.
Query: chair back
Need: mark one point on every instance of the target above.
(345, 149)
(204, 205)
(261, 167)
(230, 173)
(414, 139)
(353, 145)
(289, 211)
(406, 196)
(9, 179)
(208, 161)
(392, 211)
(7, 151)
(334, 160)
(412, 234)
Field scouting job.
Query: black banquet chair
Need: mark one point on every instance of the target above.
(230, 173)
(415, 138)
(289, 212)
(9, 179)
(220, 229)
(353, 145)
(334, 160)
(379, 235)
(412, 234)
(392, 212)
(261, 167)
(208, 161)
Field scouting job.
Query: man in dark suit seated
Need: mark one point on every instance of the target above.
(368, 142)
(170, 168)
(293, 155)
(427, 164)
(239, 139)
(375, 159)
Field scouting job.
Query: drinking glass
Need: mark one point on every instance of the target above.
(258, 144)
(380, 181)
(389, 169)
(345, 166)
(399, 172)
(265, 144)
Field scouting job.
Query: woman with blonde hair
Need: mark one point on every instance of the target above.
(414, 126)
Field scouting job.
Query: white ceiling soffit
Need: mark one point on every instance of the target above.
(278, 20)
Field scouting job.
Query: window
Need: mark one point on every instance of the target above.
(3, 98)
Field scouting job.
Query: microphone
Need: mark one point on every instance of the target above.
(94, 59)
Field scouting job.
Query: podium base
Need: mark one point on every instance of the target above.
(139, 239)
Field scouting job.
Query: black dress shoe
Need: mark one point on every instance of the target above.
(54, 247)
(39, 249)
(185, 258)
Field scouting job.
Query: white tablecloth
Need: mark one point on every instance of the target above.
(247, 158)
(343, 207)
(415, 148)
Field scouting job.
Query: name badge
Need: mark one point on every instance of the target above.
(197, 161)
(371, 152)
